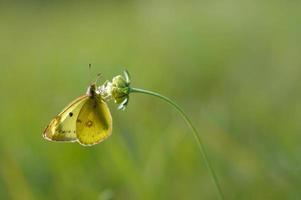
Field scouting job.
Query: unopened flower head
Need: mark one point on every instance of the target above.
(118, 90)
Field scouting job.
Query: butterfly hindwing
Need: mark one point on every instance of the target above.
(63, 126)
(94, 122)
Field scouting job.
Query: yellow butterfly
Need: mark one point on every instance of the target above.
(86, 120)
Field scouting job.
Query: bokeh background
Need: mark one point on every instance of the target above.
(234, 66)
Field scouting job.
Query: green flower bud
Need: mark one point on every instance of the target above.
(118, 90)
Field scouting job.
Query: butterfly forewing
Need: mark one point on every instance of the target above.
(63, 126)
(94, 122)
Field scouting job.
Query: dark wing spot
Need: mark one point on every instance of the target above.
(70, 114)
(79, 121)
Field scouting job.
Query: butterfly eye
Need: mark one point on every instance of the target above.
(70, 114)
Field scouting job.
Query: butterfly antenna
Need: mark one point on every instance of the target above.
(90, 73)
(99, 75)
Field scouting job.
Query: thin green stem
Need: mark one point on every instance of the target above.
(194, 131)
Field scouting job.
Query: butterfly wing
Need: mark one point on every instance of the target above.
(94, 122)
(63, 126)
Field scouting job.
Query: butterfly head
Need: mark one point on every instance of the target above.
(91, 91)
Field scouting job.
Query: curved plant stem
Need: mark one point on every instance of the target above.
(194, 131)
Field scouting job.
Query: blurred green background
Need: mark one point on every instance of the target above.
(234, 66)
